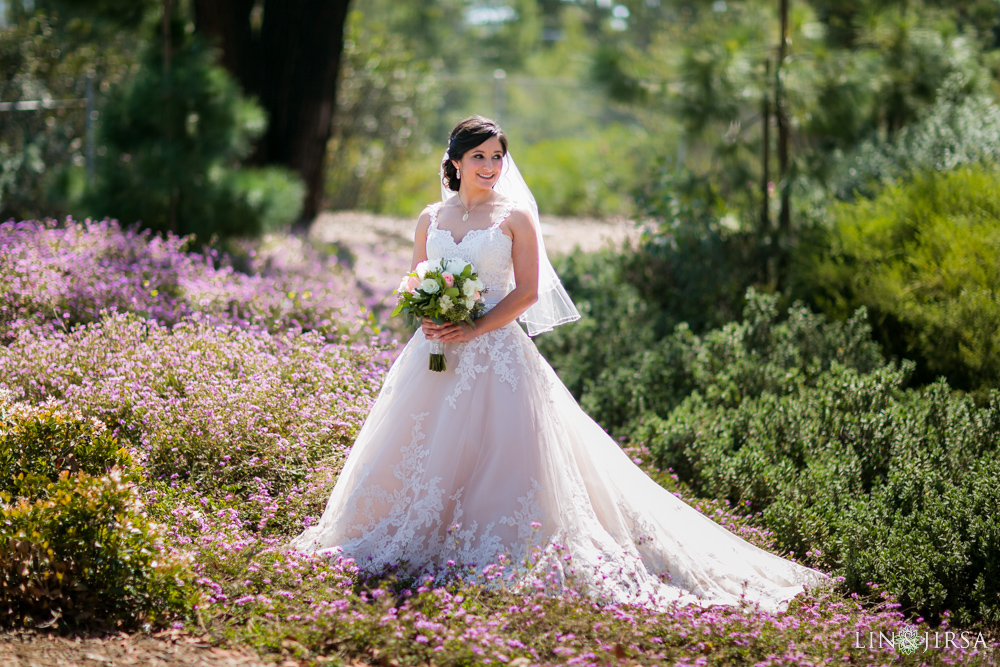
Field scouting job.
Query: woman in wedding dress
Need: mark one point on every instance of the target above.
(493, 461)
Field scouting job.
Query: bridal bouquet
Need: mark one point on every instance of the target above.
(444, 290)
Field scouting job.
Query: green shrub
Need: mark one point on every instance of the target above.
(922, 257)
(693, 266)
(616, 324)
(799, 421)
(274, 194)
(75, 545)
(932, 536)
(961, 128)
(570, 175)
(622, 372)
(37, 443)
(84, 554)
(871, 481)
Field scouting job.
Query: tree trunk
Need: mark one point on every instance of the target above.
(785, 216)
(228, 23)
(288, 57)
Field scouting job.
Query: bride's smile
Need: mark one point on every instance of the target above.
(484, 163)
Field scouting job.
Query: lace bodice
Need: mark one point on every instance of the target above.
(488, 250)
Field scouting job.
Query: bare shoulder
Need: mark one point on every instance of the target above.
(424, 221)
(519, 223)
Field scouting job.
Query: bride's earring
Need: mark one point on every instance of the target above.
(458, 174)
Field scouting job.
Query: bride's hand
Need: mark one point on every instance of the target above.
(449, 332)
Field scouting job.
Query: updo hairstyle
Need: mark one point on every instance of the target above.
(467, 135)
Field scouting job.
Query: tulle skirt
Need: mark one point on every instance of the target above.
(492, 470)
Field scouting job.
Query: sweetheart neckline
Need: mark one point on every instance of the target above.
(451, 234)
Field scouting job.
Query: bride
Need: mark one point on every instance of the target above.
(493, 462)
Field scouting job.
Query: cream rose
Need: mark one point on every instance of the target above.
(429, 286)
(456, 266)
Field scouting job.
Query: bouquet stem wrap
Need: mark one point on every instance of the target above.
(437, 362)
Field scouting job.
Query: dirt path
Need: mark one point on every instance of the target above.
(562, 235)
(382, 245)
(41, 649)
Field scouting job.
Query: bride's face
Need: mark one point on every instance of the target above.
(481, 165)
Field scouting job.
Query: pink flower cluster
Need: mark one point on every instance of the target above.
(63, 274)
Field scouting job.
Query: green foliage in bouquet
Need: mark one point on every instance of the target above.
(444, 290)
(423, 301)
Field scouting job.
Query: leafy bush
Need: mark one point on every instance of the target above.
(38, 443)
(275, 195)
(933, 536)
(922, 257)
(85, 553)
(801, 421)
(571, 175)
(878, 484)
(639, 374)
(849, 469)
(693, 266)
(75, 545)
(961, 128)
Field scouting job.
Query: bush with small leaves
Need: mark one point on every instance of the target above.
(921, 256)
(84, 553)
(38, 442)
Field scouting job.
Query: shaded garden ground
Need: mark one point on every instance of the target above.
(39, 649)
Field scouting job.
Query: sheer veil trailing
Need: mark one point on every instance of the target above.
(554, 305)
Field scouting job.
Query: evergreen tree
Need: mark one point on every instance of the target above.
(175, 134)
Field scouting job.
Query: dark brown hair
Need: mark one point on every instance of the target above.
(467, 135)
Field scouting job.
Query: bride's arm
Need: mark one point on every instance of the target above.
(420, 239)
(524, 253)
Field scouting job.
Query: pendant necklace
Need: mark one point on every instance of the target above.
(469, 210)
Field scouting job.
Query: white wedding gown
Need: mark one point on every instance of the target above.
(494, 459)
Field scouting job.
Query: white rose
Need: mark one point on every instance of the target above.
(469, 288)
(435, 265)
(422, 269)
(480, 285)
(446, 303)
(470, 302)
(456, 266)
(402, 286)
(429, 286)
